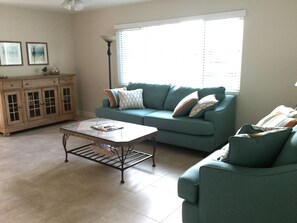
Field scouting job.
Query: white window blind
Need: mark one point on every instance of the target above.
(202, 51)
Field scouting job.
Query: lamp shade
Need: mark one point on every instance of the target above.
(109, 39)
(296, 84)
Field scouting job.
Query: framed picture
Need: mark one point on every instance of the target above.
(37, 53)
(11, 53)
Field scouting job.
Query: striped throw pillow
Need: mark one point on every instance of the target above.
(185, 105)
(113, 96)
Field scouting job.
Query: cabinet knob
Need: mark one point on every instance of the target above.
(11, 85)
(27, 84)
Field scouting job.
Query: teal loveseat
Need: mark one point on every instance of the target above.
(205, 134)
(217, 191)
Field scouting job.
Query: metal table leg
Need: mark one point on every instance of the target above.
(154, 150)
(64, 142)
(122, 164)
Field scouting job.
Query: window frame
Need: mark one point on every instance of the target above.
(206, 17)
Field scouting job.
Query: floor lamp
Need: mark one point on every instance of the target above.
(109, 40)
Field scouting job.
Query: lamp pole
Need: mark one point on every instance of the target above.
(109, 40)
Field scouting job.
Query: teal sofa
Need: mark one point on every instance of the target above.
(205, 134)
(216, 191)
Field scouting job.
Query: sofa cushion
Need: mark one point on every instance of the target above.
(218, 91)
(130, 115)
(253, 147)
(154, 95)
(185, 105)
(163, 120)
(288, 154)
(175, 95)
(204, 104)
(130, 99)
(113, 96)
(277, 120)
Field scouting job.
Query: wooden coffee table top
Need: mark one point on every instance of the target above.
(130, 134)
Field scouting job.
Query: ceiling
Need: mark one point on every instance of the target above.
(56, 4)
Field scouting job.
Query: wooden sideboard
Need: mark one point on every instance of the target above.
(31, 101)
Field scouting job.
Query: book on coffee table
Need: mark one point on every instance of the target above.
(106, 127)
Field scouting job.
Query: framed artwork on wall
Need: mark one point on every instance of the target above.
(11, 53)
(37, 53)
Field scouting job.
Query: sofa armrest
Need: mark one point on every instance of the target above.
(105, 103)
(233, 194)
(188, 183)
(223, 118)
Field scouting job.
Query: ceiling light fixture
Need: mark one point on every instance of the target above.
(73, 5)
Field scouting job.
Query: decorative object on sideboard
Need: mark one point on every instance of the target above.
(73, 5)
(109, 40)
(37, 53)
(44, 70)
(54, 70)
(11, 53)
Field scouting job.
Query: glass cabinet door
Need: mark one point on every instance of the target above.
(13, 107)
(34, 104)
(67, 99)
(50, 101)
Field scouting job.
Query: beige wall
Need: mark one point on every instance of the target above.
(269, 66)
(269, 53)
(26, 25)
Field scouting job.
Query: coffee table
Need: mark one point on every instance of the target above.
(120, 142)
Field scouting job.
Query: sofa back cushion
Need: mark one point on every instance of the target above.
(288, 155)
(218, 91)
(154, 95)
(175, 95)
(252, 147)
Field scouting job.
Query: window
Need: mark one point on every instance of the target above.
(202, 51)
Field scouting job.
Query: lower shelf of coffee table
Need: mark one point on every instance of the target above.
(121, 160)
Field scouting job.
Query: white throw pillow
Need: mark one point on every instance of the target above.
(204, 104)
(281, 116)
(130, 99)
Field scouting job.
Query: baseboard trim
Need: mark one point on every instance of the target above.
(87, 114)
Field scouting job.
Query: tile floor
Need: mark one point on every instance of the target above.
(37, 186)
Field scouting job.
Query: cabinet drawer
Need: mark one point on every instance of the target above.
(41, 83)
(12, 85)
(66, 80)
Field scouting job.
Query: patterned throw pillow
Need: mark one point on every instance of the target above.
(255, 147)
(113, 96)
(185, 105)
(206, 103)
(281, 116)
(130, 99)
